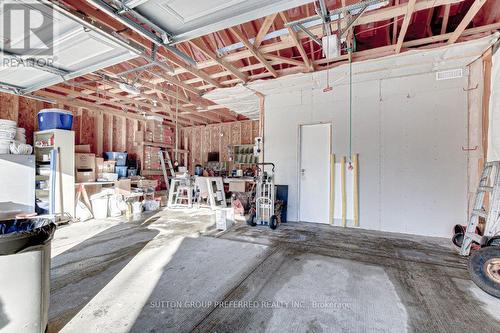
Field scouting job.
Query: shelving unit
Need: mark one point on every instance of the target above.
(65, 173)
(243, 154)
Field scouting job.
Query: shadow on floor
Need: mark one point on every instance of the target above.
(78, 274)
(202, 271)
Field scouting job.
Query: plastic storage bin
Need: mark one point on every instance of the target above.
(120, 158)
(121, 171)
(25, 259)
(54, 119)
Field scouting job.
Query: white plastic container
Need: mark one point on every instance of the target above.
(100, 206)
(224, 218)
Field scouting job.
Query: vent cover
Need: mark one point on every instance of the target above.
(450, 74)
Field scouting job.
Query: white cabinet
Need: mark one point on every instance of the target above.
(64, 190)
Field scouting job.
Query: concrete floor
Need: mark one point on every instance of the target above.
(173, 272)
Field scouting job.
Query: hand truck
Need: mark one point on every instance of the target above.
(263, 211)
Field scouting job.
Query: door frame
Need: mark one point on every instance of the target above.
(299, 166)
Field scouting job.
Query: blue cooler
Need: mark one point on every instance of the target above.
(121, 171)
(120, 158)
(49, 119)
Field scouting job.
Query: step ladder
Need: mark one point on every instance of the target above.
(489, 183)
(180, 194)
(164, 156)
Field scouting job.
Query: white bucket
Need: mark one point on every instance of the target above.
(100, 207)
(224, 218)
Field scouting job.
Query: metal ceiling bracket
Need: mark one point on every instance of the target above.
(310, 34)
(353, 20)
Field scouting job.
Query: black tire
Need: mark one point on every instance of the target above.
(483, 273)
(251, 221)
(273, 222)
(493, 241)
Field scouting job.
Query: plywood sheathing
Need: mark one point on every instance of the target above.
(9, 107)
(202, 140)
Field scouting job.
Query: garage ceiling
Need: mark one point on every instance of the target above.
(78, 49)
(190, 19)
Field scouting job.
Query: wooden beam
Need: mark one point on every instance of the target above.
(446, 17)
(382, 14)
(343, 191)
(410, 8)
(355, 175)
(296, 41)
(264, 28)
(205, 50)
(237, 32)
(476, 6)
(395, 25)
(284, 60)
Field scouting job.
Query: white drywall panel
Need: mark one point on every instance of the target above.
(408, 132)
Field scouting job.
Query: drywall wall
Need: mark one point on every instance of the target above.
(408, 131)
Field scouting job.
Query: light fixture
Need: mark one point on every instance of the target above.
(132, 90)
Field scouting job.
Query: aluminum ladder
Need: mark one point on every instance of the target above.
(489, 183)
(165, 156)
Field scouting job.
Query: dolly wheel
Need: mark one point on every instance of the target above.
(484, 268)
(273, 222)
(251, 221)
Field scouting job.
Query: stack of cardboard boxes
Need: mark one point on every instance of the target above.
(157, 132)
(89, 167)
(85, 164)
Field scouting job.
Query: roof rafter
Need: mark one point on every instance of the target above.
(476, 6)
(237, 32)
(296, 41)
(227, 65)
(264, 28)
(410, 8)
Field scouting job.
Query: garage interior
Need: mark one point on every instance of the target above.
(250, 166)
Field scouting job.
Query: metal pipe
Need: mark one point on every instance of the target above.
(326, 17)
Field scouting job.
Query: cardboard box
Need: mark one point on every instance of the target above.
(85, 149)
(99, 165)
(85, 162)
(147, 183)
(123, 186)
(108, 166)
(85, 176)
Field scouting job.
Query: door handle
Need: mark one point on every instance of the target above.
(302, 172)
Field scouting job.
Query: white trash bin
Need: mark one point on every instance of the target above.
(25, 274)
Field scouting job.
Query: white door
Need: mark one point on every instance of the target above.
(314, 173)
